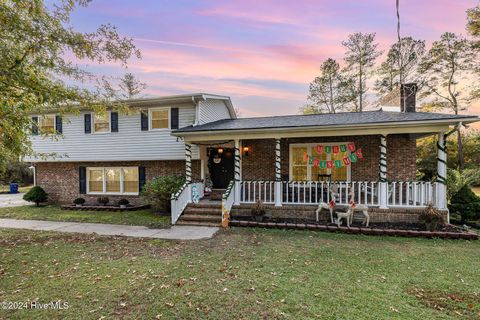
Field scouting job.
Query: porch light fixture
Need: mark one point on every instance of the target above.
(245, 151)
(220, 150)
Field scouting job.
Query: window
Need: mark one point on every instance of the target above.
(95, 180)
(113, 180)
(46, 124)
(300, 170)
(159, 118)
(101, 123)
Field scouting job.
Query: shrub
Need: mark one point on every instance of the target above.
(123, 202)
(259, 210)
(157, 192)
(466, 204)
(431, 217)
(79, 201)
(103, 200)
(37, 195)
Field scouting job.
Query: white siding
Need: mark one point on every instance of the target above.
(212, 110)
(129, 143)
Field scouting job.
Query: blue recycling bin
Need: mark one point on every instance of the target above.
(13, 187)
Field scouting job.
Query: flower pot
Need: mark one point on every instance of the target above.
(259, 218)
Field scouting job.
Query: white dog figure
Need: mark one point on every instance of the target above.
(330, 206)
(353, 206)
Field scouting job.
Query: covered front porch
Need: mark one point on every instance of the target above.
(372, 167)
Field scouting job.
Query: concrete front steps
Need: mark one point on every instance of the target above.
(204, 213)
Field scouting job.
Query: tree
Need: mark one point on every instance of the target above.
(37, 77)
(449, 60)
(400, 65)
(131, 86)
(328, 92)
(473, 21)
(36, 195)
(361, 53)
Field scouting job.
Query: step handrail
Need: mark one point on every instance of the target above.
(180, 200)
(228, 199)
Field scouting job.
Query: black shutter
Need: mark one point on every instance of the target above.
(88, 123)
(35, 126)
(114, 121)
(59, 124)
(82, 178)
(174, 118)
(144, 120)
(141, 178)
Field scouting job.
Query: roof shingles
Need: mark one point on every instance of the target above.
(319, 120)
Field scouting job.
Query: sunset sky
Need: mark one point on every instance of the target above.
(262, 53)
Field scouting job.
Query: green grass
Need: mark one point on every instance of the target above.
(54, 213)
(22, 189)
(241, 274)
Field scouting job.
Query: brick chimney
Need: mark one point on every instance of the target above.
(408, 95)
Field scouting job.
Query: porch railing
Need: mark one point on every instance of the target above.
(252, 191)
(399, 194)
(313, 192)
(411, 194)
(183, 197)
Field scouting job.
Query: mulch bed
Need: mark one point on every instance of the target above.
(104, 208)
(448, 232)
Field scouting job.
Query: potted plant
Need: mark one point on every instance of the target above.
(123, 203)
(79, 202)
(431, 217)
(258, 211)
(103, 200)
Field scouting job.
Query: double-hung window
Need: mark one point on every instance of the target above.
(112, 180)
(301, 170)
(46, 124)
(159, 118)
(101, 122)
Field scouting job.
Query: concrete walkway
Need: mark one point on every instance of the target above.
(173, 233)
(12, 200)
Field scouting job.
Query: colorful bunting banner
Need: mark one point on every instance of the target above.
(345, 161)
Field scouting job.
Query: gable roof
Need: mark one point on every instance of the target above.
(345, 119)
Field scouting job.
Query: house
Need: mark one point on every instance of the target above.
(287, 162)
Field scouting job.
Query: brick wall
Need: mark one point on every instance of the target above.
(401, 157)
(61, 179)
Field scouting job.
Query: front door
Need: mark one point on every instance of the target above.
(221, 163)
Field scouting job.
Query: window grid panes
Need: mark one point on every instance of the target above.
(302, 171)
(101, 123)
(113, 180)
(47, 124)
(159, 119)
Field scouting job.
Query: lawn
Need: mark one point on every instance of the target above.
(6, 188)
(241, 273)
(54, 213)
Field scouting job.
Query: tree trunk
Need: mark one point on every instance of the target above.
(461, 162)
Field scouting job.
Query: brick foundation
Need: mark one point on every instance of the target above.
(307, 212)
(401, 157)
(61, 179)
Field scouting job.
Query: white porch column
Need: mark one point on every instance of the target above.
(237, 172)
(383, 184)
(278, 175)
(188, 162)
(441, 185)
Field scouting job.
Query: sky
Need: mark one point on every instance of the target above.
(263, 53)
